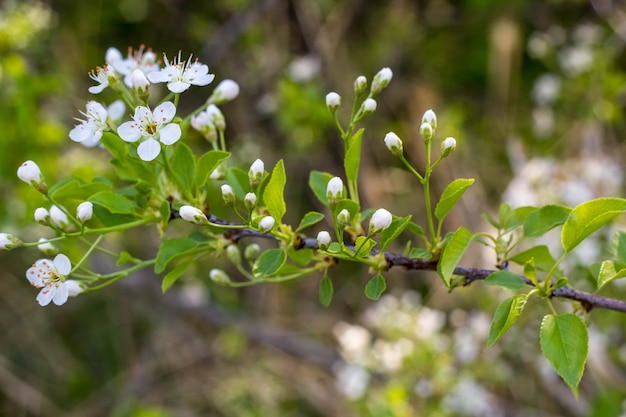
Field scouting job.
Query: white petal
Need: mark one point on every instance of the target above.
(62, 264)
(164, 112)
(129, 131)
(97, 89)
(61, 294)
(45, 295)
(142, 114)
(116, 110)
(204, 80)
(159, 77)
(149, 149)
(80, 133)
(96, 109)
(170, 134)
(178, 86)
(33, 275)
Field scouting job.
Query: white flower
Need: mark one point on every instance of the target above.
(368, 107)
(142, 59)
(381, 219)
(8, 241)
(30, 173)
(47, 247)
(334, 191)
(193, 214)
(228, 194)
(104, 76)
(203, 123)
(393, 143)
(116, 110)
(448, 146)
(256, 172)
(180, 75)
(51, 276)
(323, 239)
(42, 215)
(58, 218)
(381, 80)
(139, 82)
(333, 101)
(266, 224)
(154, 127)
(250, 201)
(430, 118)
(89, 130)
(225, 91)
(84, 211)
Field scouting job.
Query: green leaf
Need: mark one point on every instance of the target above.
(516, 217)
(545, 219)
(269, 262)
(505, 279)
(505, 316)
(610, 271)
(238, 179)
(352, 207)
(76, 188)
(541, 255)
(618, 246)
(326, 291)
(309, 219)
(363, 246)
(564, 342)
(352, 160)
(183, 165)
(274, 192)
(206, 164)
(172, 249)
(172, 276)
(115, 203)
(393, 231)
(420, 253)
(416, 230)
(452, 254)
(530, 272)
(375, 287)
(588, 217)
(453, 192)
(125, 258)
(318, 181)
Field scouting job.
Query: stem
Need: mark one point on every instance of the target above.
(429, 212)
(116, 276)
(89, 251)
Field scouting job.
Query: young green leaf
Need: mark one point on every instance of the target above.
(545, 219)
(417, 230)
(505, 316)
(76, 188)
(183, 165)
(452, 254)
(326, 291)
(238, 179)
(206, 164)
(364, 246)
(172, 249)
(274, 192)
(564, 342)
(588, 217)
(318, 181)
(618, 246)
(541, 255)
(393, 231)
(171, 277)
(375, 287)
(453, 192)
(516, 217)
(309, 219)
(530, 271)
(114, 203)
(352, 159)
(269, 262)
(505, 279)
(610, 271)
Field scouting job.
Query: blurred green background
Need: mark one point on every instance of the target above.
(533, 91)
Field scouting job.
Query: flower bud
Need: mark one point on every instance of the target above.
(192, 214)
(218, 276)
(140, 84)
(426, 131)
(256, 173)
(233, 254)
(250, 201)
(266, 224)
(42, 216)
(30, 173)
(218, 173)
(8, 241)
(323, 240)
(203, 123)
(360, 84)
(368, 107)
(216, 117)
(448, 146)
(343, 218)
(225, 91)
(84, 211)
(47, 248)
(251, 252)
(393, 143)
(334, 191)
(381, 80)
(381, 219)
(58, 218)
(431, 118)
(73, 287)
(228, 194)
(333, 101)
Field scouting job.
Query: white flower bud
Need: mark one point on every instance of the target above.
(334, 191)
(30, 173)
(228, 194)
(368, 107)
(8, 241)
(448, 146)
(393, 143)
(251, 252)
(323, 239)
(73, 287)
(192, 214)
(46, 247)
(343, 218)
(266, 224)
(42, 215)
(216, 117)
(381, 219)
(225, 91)
(250, 201)
(426, 131)
(218, 276)
(360, 84)
(381, 80)
(218, 173)
(431, 118)
(256, 173)
(140, 83)
(333, 101)
(58, 218)
(203, 123)
(84, 211)
(234, 254)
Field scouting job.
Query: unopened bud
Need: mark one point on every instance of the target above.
(368, 107)
(251, 252)
(216, 117)
(228, 194)
(426, 131)
(381, 219)
(343, 218)
(193, 214)
(58, 218)
(250, 201)
(225, 91)
(140, 84)
(266, 224)
(323, 240)
(448, 146)
(360, 84)
(8, 241)
(431, 118)
(42, 215)
(218, 276)
(393, 143)
(30, 173)
(233, 254)
(73, 287)
(381, 80)
(256, 173)
(334, 191)
(333, 101)
(84, 211)
(47, 248)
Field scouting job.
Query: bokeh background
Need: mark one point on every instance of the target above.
(533, 91)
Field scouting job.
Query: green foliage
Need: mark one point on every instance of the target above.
(450, 196)
(452, 253)
(506, 315)
(326, 291)
(375, 287)
(274, 192)
(588, 217)
(269, 263)
(505, 279)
